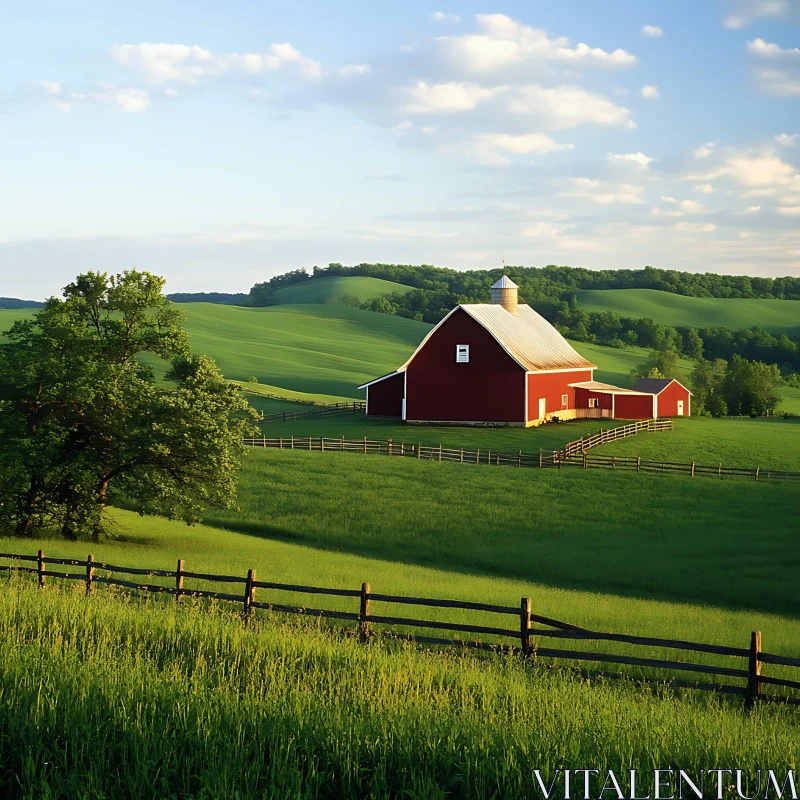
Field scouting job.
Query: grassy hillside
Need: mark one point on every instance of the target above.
(317, 349)
(775, 316)
(772, 443)
(8, 316)
(329, 290)
(102, 698)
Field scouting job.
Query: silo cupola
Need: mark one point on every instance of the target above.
(504, 293)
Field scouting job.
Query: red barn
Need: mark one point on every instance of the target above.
(500, 364)
(672, 399)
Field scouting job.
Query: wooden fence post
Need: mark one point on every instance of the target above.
(179, 580)
(754, 669)
(292, 442)
(365, 445)
(540, 458)
(280, 443)
(519, 459)
(440, 452)
(249, 592)
(525, 624)
(478, 456)
(40, 567)
(89, 573)
(322, 444)
(757, 468)
(390, 446)
(585, 464)
(419, 450)
(693, 469)
(363, 614)
(638, 463)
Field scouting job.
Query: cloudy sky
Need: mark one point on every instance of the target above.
(219, 143)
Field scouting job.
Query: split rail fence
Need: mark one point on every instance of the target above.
(542, 459)
(318, 412)
(517, 630)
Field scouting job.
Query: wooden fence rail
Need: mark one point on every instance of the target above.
(614, 435)
(520, 636)
(318, 412)
(550, 459)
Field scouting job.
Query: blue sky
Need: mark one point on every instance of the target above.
(221, 143)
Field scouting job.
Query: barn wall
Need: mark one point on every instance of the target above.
(385, 398)
(551, 385)
(582, 399)
(668, 400)
(633, 406)
(490, 388)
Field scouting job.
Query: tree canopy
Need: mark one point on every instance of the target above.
(81, 414)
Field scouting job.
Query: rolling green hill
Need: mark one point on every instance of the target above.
(329, 290)
(775, 316)
(331, 349)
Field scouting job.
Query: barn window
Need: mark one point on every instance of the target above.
(592, 402)
(564, 400)
(462, 354)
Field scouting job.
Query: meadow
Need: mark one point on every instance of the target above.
(775, 316)
(102, 697)
(768, 442)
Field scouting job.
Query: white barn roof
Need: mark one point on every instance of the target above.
(526, 336)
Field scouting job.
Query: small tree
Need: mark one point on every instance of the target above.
(660, 364)
(707, 381)
(751, 387)
(80, 412)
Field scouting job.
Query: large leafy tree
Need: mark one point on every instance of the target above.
(81, 413)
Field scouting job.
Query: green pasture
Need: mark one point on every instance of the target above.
(105, 697)
(775, 316)
(330, 290)
(552, 436)
(771, 443)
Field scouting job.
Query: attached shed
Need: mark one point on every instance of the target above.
(614, 402)
(386, 395)
(673, 399)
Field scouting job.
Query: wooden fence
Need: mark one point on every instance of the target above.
(518, 629)
(550, 459)
(614, 435)
(327, 410)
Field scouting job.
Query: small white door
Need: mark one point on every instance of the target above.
(680, 408)
(542, 407)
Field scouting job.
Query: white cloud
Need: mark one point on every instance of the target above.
(489, 146)
(789, 211)
(752, 210)
(446, 98)
(650, 92)
(704, 188)
(705, 150)
(179, 63)
(652, 31)
(636, 158)
(695, 227)
(758, 47)
(786, 140)
(130, 100)
(602, 193)
(505, 43)
(353, 70)
(752, 168)
(741, 13)
(782, 78)
(52, 87)
(440, 16)
(678, 208)
(563, 107)
(544, 230)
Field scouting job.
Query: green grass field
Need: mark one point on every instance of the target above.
(771, 443)
(330, 290)
(775, 316)
(104, 698)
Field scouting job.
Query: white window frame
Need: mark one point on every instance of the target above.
(462, 354)
(592, 402)
(564, 400)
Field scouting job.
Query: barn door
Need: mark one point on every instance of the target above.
(542, 407)
(680, 408)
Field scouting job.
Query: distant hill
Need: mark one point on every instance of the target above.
(332, 290)
(223, 298)
(13, 302)
(775, 316)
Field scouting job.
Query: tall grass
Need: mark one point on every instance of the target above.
(105, 697)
